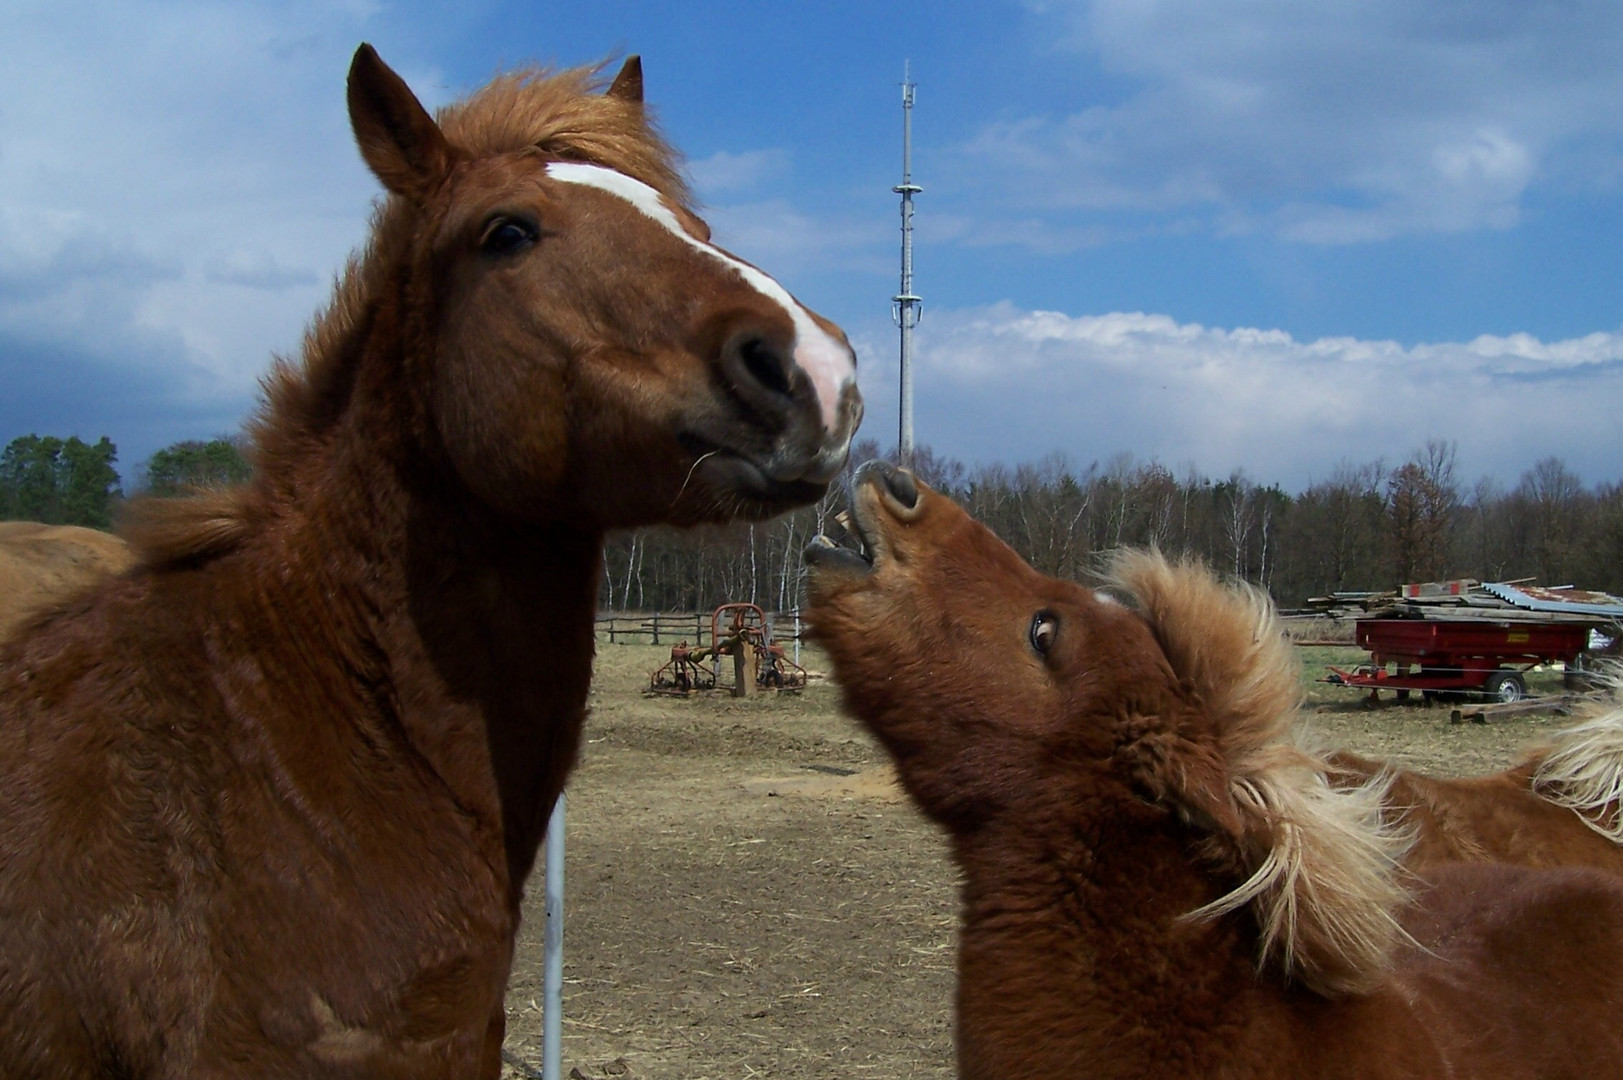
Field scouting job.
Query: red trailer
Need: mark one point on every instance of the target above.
(1444, 655)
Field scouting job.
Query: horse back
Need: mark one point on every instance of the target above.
(1497, 818)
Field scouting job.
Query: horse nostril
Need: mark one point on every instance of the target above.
(765, 364)
(903, 488)
(899, 483)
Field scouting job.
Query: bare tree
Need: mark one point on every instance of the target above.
(1555, 498)
(1422, 502)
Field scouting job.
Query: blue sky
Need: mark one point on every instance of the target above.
(1228, 234)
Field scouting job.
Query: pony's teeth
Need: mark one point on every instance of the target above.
(848, 523)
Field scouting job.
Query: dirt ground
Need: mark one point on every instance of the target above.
(747, 894)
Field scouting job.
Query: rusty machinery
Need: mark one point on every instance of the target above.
(739, 631)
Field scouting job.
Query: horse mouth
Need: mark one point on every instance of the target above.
(746, 479)
(760, 488)
(823, 554)
(881, 496)
(794, 469)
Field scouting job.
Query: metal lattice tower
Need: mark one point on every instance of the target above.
(906, 307)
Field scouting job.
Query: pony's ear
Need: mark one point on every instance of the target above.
(627, 85)
(399, 140)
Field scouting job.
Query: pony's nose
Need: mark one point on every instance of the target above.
(898, 483)
(902, 487)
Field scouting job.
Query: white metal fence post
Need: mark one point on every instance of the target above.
(552, 986)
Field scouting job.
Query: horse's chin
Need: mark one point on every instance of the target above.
(729, 486)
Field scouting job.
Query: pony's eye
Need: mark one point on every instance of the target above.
(1044, 629)
(508, 235)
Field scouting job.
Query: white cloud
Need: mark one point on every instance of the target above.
(1000, 383)
(724, 173)
(177, 186)
(1331, 122)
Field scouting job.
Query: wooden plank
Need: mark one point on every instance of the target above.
(1482, 712)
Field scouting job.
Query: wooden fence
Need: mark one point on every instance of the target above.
(668, 628)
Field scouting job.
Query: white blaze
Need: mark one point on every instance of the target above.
(825, 360)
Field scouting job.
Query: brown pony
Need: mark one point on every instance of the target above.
(1558, 806)
(1157, 881)
(268, 801)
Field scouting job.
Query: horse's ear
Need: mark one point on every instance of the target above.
(627, 85)
(399, 140)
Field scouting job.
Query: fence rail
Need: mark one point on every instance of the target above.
(669, 627)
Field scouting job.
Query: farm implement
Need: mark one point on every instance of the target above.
(1465, 638)
(739, 631)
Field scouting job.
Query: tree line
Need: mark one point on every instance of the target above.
(1367, 526)
(72, 482)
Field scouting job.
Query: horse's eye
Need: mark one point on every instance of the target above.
(1044, 629)
(508, 235)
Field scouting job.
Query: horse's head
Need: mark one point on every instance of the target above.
(576, 345)
(981, 675)
(1009, 696)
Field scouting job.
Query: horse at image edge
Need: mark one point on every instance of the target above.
(268, 800)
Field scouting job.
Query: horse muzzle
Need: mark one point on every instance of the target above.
(883, 497)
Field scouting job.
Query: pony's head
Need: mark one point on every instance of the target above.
(573, 345)
(1006, 694)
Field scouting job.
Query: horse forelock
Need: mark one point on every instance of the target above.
(1323, 861)
(566, 116)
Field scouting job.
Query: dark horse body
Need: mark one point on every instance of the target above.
(1158, 881)
(268, 801)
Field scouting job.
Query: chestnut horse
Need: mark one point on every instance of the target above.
(1558, 806)
(268, 800)
(1157, 881)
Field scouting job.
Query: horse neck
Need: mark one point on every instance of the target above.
(506, 629)
(484, 626)
(1074, 956)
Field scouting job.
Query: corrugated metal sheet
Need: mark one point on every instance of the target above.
(1565, 601)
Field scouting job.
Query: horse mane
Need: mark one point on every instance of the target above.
(1582, 768)
(1323, 861)
(563, 114)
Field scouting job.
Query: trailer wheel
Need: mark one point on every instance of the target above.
(1504, 687)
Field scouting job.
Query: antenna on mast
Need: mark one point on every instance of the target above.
(905, 307)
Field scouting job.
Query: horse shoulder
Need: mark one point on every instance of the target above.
(194, 836)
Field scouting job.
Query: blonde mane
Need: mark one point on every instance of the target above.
(1583, 768)
(1322, 861)
(563, 114)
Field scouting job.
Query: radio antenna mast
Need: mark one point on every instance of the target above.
(905, 307)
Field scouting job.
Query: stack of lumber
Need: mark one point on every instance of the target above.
(1466, 599)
